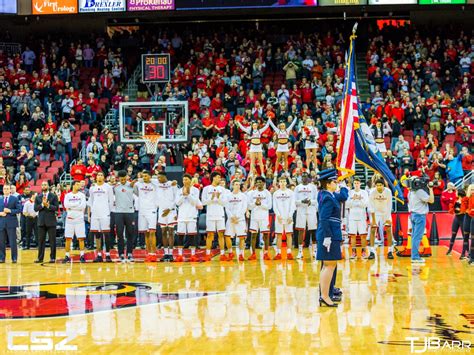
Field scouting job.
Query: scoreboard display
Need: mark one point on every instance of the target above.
(156, 68)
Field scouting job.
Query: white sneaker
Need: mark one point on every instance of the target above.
(300, 255)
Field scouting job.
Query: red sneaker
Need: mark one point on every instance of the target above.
(266, 256)
(241, 257)
(223, 258)
(231, 256)
(289, 256)
(252, 257)
(179, 259)
(277, 257)
(207, 257)
(151, 258)
(193, 259)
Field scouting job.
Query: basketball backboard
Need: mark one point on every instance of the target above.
(168, 118)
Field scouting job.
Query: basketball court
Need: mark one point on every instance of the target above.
(231, 307)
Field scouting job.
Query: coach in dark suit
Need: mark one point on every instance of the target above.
(10, 207)
(46, 204)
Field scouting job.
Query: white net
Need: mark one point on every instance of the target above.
(151, 143)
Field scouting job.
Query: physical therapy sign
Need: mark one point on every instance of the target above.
(102, 5)
(150, 5)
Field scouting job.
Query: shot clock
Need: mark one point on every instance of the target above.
(155, 68)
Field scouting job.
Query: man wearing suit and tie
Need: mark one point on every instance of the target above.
(10, 207)
(46, 204)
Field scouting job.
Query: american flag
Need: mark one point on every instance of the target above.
(345, 162)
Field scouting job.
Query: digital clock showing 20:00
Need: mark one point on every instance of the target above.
(155, 68)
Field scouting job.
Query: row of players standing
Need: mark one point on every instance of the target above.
(162, 203)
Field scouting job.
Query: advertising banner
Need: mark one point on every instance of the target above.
(393, 2)
(102, 5)
(441, 2)
(240, 4)
(341, 2)
(8, 7)
(150, 5)
(53, 7)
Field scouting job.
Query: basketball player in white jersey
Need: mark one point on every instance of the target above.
(101, 202)
(259, 203)
(235, 207)
(306, 199)
(356, 205)
(380, 207)
(75, 205)
(213, 197)
(284, 208)
(167, 213)
(188, 202)
(147, 201)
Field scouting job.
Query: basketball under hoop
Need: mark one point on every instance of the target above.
(151, 142)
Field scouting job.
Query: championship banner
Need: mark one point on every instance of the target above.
(53, 7)
(101, 6)
(150, 5)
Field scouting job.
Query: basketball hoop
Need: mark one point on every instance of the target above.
(151, 142)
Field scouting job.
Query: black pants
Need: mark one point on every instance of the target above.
(42, 230)
(9, 233)
(125, 221)
(31, 226)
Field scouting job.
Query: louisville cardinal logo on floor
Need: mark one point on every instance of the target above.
(64, 299)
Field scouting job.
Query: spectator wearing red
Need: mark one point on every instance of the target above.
(191, 163)
(78, 171)
(93, 104)
(92, 169)
(448, 197)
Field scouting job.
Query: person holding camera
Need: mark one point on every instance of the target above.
(418, 201)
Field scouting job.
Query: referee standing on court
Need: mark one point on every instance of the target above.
(124, 215)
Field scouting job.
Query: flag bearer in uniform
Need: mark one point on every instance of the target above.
(329, 233)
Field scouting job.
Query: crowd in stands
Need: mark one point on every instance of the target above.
(53, 97)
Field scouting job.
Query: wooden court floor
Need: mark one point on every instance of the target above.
(230, 307)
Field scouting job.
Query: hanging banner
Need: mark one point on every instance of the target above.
(441, 2)
(393, 2)
(341, 2)
(53, 7)
(102, 5)
(150, 5)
